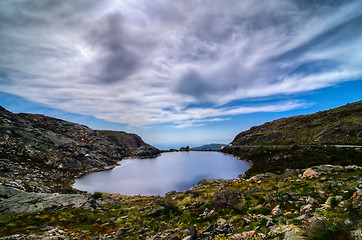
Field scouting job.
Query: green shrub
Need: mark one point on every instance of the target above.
(334, 202)
(262, 210)
(97, 195)
(328, 229)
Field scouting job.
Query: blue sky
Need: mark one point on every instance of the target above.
(179, 72)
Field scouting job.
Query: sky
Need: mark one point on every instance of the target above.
(179, 73)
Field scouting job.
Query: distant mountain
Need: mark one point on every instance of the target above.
(208, 147)
(342, 125)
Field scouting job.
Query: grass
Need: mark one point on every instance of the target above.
(233, 202)
(276, 159)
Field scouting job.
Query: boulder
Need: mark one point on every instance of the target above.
(306, 208)
(309, 173)
(276, 211)
(34, 202)
(249, 235)
(312, 201)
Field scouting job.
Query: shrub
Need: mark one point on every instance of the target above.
(334, 202)
(97, 195)
(328, 229)
(262, 210)
(225, 198)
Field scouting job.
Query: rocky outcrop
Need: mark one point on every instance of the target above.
(336, 126)
(29, 202)
(36, 147)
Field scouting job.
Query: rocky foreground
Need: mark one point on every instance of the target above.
(322, 202)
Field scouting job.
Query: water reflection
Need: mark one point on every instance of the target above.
(156, 176)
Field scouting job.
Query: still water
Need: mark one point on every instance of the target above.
(156, 176)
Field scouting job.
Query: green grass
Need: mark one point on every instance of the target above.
(186, 208)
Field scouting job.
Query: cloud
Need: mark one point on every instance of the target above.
(143, 63)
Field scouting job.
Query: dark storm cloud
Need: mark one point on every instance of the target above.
(117, 58)
(193, 84)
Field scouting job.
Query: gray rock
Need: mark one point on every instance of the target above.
(193, 232)
(269, 224)
(120, 232)
(157, 212)
(25, 202)
(276, 211)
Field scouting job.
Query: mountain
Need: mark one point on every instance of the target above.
(34, 144)
(208, 147)
(302, 141)
(342, 125)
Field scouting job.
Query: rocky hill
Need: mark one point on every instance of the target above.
(208, 147)
(302, 141)
(33, 144)
(342, 125)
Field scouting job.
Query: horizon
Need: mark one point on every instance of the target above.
(179, 73)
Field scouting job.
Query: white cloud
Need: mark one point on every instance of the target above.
(143, 63)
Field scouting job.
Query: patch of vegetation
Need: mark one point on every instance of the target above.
(225, 198)
(97, 195)
(278, 158)
(328, 229)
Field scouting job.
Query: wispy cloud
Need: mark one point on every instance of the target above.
(143, 63)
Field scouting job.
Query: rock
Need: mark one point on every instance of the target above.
(276, 211)
(272, 197)
(157, 212)
(253, 179)
(193, 232)
(208, 214)
(303, 217)
(120, 232)
(306, 208)
(290, 172)
(357, 234)
(236, 236)
(322, 194)
(309, 173)
(221, 222)
(34, 202)
(260, 176)
(7, 192)
(292, 195)
(188, 238)
(357, 195)
(293, 234)
(249, 235)
(143, 230)
(312, 201)
(246, 221)
(46, 228)
(269, 224)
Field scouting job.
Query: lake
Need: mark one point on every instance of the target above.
(156, 176)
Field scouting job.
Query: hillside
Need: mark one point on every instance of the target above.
(208, 147)
(39, 157)
(342, 125)
(302, 141)
(36, 147)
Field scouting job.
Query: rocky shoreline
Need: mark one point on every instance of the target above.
(265, 206)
